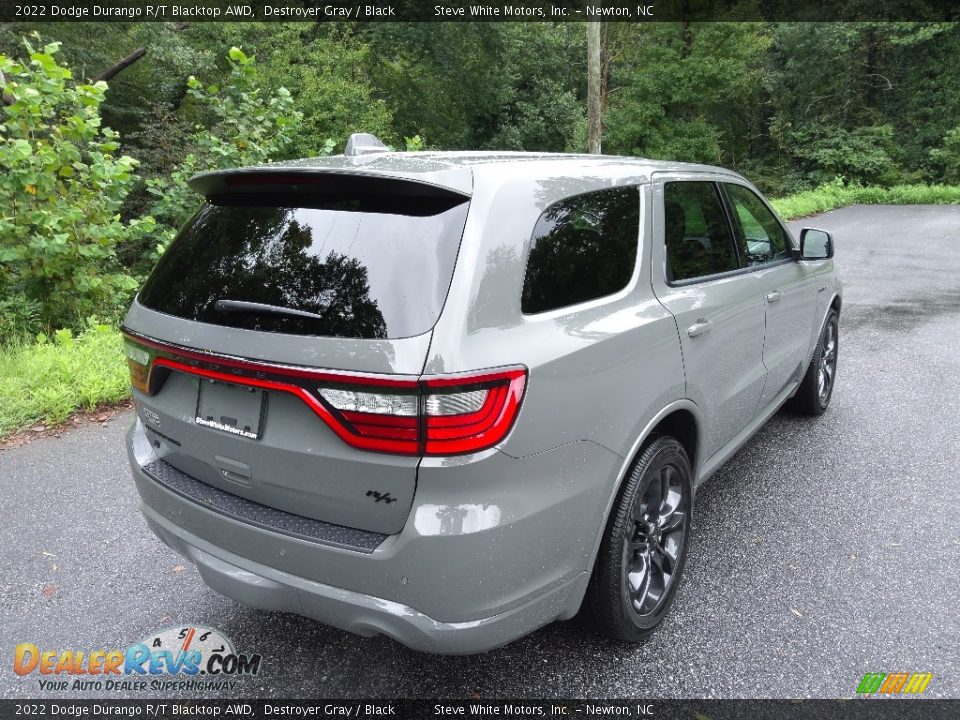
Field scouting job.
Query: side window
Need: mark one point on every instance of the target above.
(583, 247)
(760, 236)
(698, 237)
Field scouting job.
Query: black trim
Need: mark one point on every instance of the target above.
(260, 516)
(731, 223)
(730, 273)
(318, 181)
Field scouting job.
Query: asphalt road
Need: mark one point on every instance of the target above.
(825, 549)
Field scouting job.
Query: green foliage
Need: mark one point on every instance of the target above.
(173, 51)
(683, 92)
(60, 195)
(242, 126)
(480, 86)
(839, 85)
(19, 316)
(836, 194)
(947, 157)
(325, 68)
(863, 155)
(48, 379)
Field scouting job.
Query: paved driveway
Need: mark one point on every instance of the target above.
(825, 549)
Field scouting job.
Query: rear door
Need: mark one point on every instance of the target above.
(698, 277)
(789, 288)
(267, 288)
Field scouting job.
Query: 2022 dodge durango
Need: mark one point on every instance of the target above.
(452, 397)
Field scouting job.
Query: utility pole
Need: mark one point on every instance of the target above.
(594, 126)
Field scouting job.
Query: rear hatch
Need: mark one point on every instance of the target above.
(286, 297)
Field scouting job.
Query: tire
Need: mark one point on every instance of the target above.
(632, 589)
(811, 397)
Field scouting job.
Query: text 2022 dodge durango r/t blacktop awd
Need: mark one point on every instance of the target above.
(452, 397)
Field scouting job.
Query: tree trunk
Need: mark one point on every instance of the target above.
(686, 33)
(594, 126)
(129, 60)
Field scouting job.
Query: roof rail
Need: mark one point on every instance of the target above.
(364, 144)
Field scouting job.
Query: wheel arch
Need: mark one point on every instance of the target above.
(835, 303)
(680, 419)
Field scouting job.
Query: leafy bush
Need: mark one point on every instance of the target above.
(60, 193)
(19, 316)
(50, 378)
(948, 156)
(243, 128)
(863, 155)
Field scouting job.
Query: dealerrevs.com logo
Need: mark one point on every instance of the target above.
(176, 658)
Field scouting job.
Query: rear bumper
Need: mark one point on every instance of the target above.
(263, 587)
(469, 571)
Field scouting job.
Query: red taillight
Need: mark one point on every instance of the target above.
(430, 415)
(466, 414)
(446, 416)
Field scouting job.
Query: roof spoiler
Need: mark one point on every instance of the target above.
(331, 184)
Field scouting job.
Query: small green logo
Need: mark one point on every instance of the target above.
(898, 683)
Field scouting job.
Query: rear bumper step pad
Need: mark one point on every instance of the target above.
(262, 516)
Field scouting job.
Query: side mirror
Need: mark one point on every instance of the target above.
(815, 244)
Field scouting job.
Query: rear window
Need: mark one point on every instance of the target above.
(364, 267)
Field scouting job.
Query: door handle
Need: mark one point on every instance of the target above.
(773, 296)
(700, 327)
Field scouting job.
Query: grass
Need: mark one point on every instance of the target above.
(48, 379)
(835, 195)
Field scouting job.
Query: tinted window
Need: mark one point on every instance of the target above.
(362, 268)
(584, 247)
(761, 237)
(697, 235)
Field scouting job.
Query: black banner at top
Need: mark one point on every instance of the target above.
(477, 10)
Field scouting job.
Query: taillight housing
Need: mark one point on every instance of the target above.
(404, 415)
(467, 413)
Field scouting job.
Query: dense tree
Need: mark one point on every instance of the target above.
(687, 92)
(62, 184)
(479, 86)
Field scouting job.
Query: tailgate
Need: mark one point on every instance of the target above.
(249, 433)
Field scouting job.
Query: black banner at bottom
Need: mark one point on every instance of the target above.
(859, 708)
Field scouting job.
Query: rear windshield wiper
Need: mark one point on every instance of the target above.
(254, 308)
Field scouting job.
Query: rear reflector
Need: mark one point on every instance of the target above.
(429, 415)
(456, 403)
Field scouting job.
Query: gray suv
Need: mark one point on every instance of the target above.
(452, 397)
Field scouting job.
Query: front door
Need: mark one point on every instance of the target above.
(718, 307)
(789, 289)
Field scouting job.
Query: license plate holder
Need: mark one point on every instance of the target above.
(235, 409)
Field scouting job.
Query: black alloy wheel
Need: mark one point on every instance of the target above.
(644, 547)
